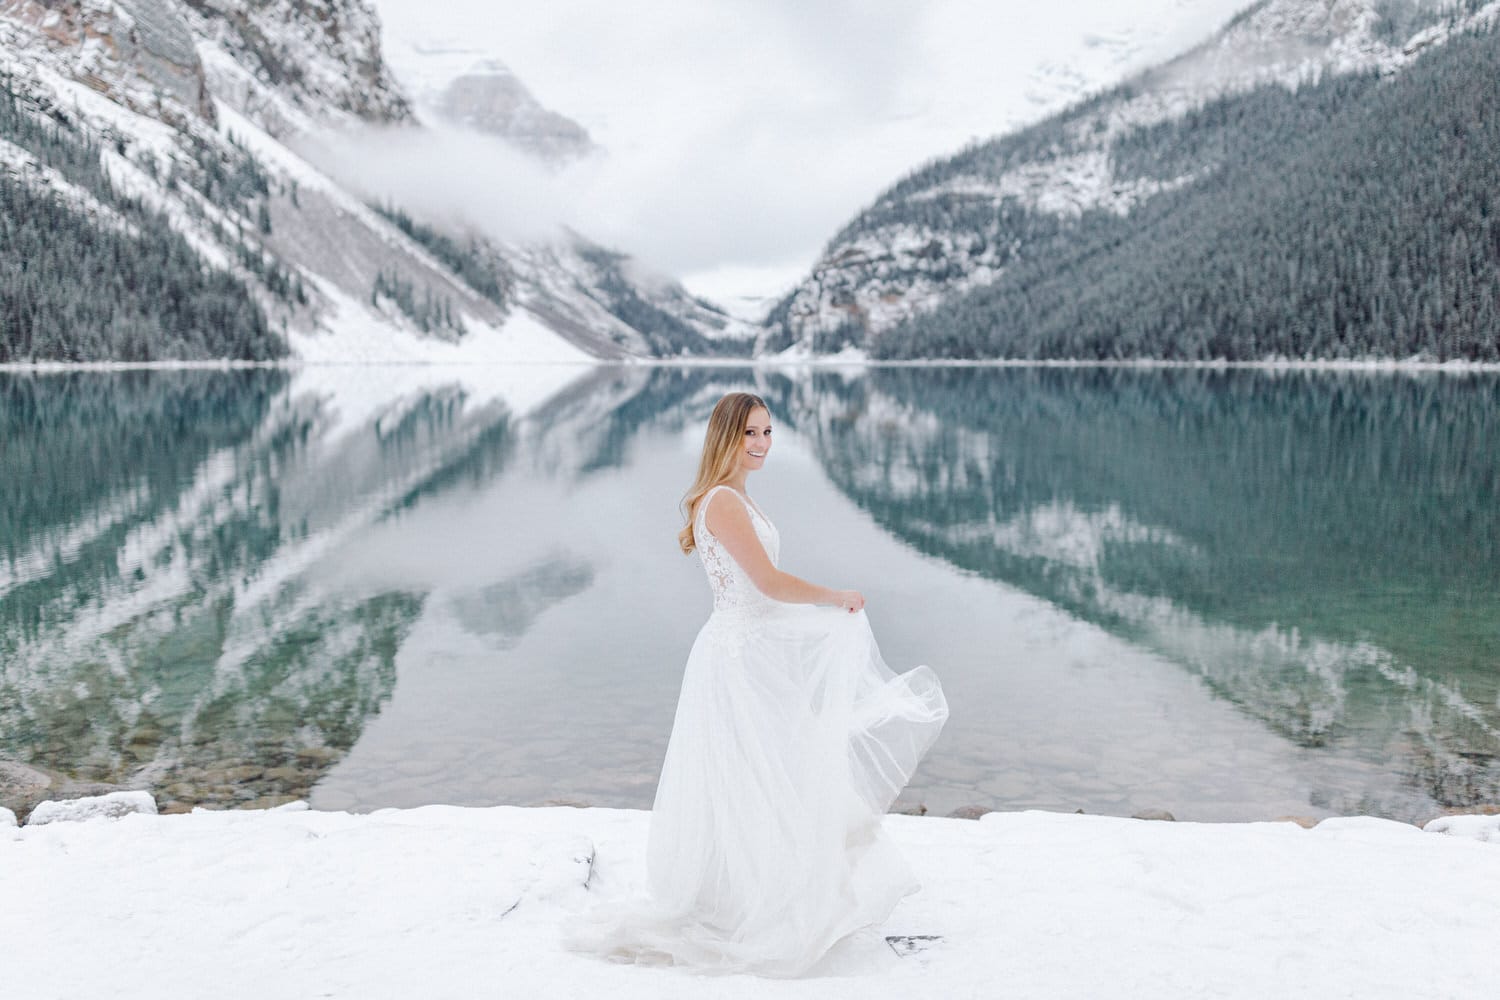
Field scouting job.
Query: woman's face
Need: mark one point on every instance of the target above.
(757, 439)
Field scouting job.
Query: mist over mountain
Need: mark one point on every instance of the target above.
(157, 202)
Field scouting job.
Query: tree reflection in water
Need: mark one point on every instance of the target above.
(1321, 549)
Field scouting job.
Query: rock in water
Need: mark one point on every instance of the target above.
(22, 785)
(111, 806)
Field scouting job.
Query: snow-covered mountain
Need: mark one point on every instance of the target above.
(918, 245)
(291, 66)
(194, 111)
(471, 88)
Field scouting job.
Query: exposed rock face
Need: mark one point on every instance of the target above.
(288, 64)
(492, 99)
(157, 42)
(139, 53)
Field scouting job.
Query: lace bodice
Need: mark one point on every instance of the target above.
(733, 589)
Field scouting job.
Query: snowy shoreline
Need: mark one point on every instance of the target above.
(458, 902)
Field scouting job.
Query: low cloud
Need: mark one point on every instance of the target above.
(448, 176)
(738, 137)
(684, 209)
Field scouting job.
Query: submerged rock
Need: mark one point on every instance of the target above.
(22, 786)
(969, 812)
(21, 782)
(270, 801)
(1483, 809)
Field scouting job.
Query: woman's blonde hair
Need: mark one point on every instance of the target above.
(721, 454)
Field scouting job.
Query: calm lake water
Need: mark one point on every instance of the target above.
(1233, 595)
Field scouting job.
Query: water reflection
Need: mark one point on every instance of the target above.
(393, 586)
(1323, 549)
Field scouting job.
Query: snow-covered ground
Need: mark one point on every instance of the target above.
(451, 902)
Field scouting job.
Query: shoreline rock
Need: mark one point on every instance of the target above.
(111, 806)
(1158, 815)
(25, 786)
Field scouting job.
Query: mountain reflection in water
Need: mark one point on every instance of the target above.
(375, 586)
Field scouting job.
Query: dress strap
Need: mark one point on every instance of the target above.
(701, 517)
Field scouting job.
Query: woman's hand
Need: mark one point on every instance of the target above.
(850, 600)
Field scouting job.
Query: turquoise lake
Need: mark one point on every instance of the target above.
(1233, 595)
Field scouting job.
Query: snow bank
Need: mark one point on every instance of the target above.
(1475, 827)
(111, 806)
(450, 902)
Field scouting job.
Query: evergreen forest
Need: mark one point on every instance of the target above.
(78, 284)
(1353, 217)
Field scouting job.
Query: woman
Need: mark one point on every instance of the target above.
(791, 740)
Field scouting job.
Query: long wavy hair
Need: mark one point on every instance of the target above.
(721, 454)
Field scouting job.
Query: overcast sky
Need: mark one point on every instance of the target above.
(741, 134)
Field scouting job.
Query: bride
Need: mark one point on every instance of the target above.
(792, 739)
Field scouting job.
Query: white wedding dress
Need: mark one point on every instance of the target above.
(792, 739)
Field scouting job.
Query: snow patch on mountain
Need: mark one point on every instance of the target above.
(355, 334)
(1067, 185)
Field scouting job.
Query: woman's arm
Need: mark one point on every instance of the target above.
(730, 524)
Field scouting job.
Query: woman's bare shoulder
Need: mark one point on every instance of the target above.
(728, 512)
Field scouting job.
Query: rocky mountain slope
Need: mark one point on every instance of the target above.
(176, 121)
(962, 258)
(473, 89)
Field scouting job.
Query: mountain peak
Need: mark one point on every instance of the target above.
(289, 66)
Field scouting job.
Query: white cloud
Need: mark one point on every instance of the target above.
(741, 134)
(447, 174)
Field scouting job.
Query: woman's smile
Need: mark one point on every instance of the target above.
(757, 436)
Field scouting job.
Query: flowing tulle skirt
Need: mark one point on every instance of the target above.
(792, 739)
